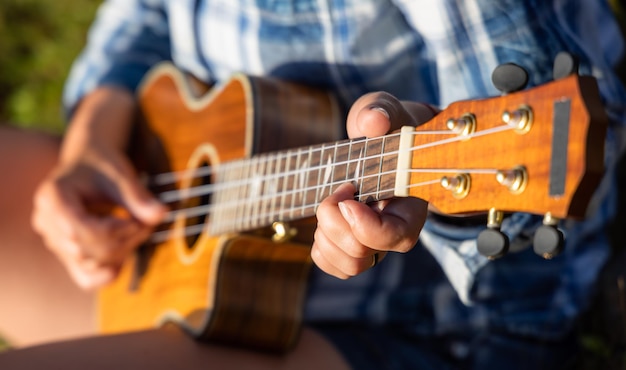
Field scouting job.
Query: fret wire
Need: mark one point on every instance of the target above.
(285, 185)
(333, 166)
(304, 192)
(246, 189)
(303, 176)
(348, 161)
(267, 185)
(260, 191)
(295, 179)
(236, 212)
(380, 166)
(250, 193)
(275, 186)
(319, 171)
(363, 165)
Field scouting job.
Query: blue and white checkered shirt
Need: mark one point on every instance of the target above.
(435, 51)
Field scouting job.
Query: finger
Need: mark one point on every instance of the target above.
(69, 230)
(334, 261)
(57, 216)
(375, 114)
(394, 228)
(86, 271)
(129, 192)
(372, 115)
(140, 202)
(89, 276)
(111, 240)
(333, 224)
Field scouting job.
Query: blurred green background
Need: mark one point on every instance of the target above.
(38, 41)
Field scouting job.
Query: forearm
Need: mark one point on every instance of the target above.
(103, 121)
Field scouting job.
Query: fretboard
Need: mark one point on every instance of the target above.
(289, 185)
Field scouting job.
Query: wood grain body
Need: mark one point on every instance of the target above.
(241, 289)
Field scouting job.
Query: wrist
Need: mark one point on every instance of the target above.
(102, 122)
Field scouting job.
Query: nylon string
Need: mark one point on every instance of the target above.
(208, 189)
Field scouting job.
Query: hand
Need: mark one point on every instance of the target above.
(352, 237)
(93, 173)
(91, 244)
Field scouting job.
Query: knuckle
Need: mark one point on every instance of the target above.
(351, 269)
(405, 245)
(355, 249)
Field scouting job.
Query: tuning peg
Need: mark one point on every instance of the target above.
(565, 64)
(493, 243)
(509, 78)
(548, 241)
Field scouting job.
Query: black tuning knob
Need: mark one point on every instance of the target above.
(493, 243)
(509, 78)
(565, 64)
(548, 241)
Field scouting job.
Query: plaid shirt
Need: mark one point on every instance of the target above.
(435, 51)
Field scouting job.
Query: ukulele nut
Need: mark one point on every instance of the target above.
(514, 179)
(520, 119)
(464, 126)
(458, 185)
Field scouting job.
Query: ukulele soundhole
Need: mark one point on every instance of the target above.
(194, 223)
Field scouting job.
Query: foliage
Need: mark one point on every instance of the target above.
(38, 41)
(3, 345)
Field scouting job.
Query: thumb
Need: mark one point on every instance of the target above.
(137, 200)
(378, 113)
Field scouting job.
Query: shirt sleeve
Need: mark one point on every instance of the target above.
(125, 40)
(467, 40)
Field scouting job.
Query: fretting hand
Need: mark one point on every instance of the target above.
(351, 237)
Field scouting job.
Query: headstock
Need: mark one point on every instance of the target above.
(539, 150)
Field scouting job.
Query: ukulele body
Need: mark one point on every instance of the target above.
(241, 289)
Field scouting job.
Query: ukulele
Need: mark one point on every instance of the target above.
(242, 169)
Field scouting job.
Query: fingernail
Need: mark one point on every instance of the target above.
(152, 211)
(380, 109)
(346, 213)
(155, 205)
